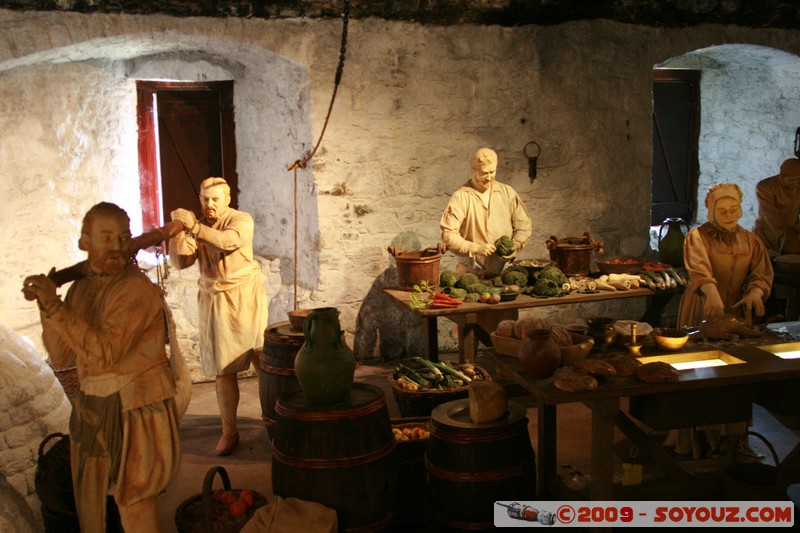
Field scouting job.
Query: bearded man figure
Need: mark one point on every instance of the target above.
(124, 438)
(231, 300)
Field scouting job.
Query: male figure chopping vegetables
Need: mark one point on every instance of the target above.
(480, 212)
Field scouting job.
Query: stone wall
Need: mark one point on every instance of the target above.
(32, 406)
(415, 101)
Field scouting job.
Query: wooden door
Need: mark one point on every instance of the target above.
(676, 128)
(186, 134)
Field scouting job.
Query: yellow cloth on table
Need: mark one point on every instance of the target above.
(291, 515)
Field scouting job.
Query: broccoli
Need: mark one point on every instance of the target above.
(466, 279)
(546, 287)
(472, 297)
(553, 273)
(448, 278)
(513, 276)
(458, 294)
(504, 246)
(476, 287)
(497, 281)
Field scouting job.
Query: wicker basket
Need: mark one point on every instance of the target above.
(202, 514)
(68, 377)
(754, 481)
(53, 482)
(421, 402)
(412, 489)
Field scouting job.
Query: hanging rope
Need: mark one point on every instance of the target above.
(301, 163)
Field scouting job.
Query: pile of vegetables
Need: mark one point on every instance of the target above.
(421, 374)
(410, 433)
(425, 297)
(655, 275)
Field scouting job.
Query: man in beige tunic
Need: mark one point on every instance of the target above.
(231, 299)
(480, 212)
(778, 205)
(124, 438)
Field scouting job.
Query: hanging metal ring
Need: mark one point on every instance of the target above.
(538, 150)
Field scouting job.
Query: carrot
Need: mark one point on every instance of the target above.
(438, 304)
(438, 296)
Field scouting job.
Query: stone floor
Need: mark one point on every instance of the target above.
(249, 465)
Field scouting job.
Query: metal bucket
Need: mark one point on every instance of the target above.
(573, 255)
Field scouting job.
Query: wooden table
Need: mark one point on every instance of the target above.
(467, 316)
(711, 387)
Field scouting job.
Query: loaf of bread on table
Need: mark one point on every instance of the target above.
(571, 381)
(657, 372)
(625, 365)
(597, 367)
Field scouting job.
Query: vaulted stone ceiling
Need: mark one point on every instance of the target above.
(658, 13)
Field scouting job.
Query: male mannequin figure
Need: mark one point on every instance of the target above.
(480, 212)
(124, 438)
(231, 300)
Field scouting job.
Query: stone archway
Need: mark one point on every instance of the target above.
(750, 110)
(70, 130)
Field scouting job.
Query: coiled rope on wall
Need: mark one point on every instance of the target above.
(302, 163)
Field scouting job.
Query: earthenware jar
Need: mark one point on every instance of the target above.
(539, 355)
(670, 246)
(324, 365)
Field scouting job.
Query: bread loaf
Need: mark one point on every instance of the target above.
(597, 367)
(572, 381)
(657, 372)
(505, 328)
(625, 365)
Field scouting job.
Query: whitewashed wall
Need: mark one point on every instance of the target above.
(414, 103)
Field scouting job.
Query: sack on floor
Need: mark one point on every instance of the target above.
(290, 515)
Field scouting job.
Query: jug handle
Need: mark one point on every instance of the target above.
(661, 229)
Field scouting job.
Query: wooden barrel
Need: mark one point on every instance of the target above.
(470, 466)
(276, 369)
(339, 455)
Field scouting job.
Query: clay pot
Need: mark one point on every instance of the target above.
(324, 365)
(539, 355)
(670, 246)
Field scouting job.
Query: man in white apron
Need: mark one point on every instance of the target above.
(231, 299)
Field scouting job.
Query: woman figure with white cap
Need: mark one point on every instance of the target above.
(729, 267)
(729, 273)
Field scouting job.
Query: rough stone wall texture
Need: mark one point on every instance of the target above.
(32, 406)
(415, 101)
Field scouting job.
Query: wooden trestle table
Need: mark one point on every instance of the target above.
(699, 396)
(468, 315)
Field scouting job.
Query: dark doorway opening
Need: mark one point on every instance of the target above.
(676, 130)
(186, 134)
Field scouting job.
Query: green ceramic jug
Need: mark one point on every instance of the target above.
(324, 365)
(670, 246)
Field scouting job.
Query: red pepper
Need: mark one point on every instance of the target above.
(445, 298)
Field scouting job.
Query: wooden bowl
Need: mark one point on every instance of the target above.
(619, 265)
(578, 351)
(670, 339)
(298, 317)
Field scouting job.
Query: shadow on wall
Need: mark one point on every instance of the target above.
(385, 330)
